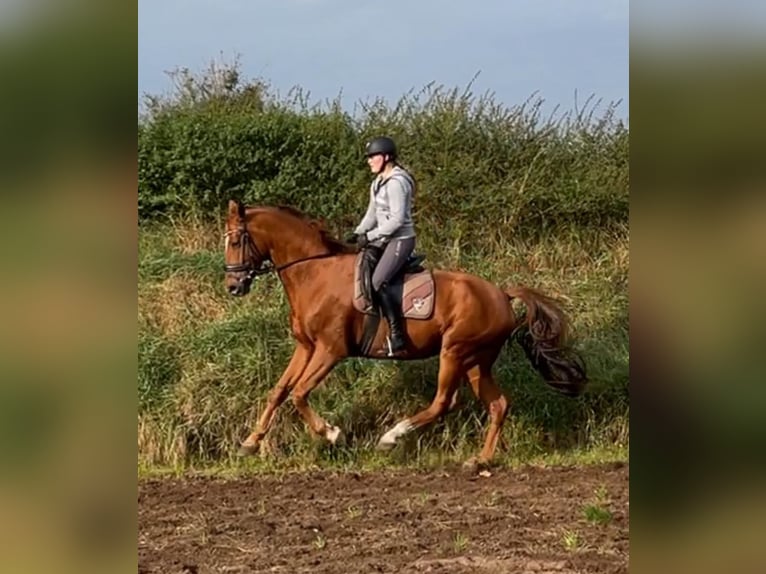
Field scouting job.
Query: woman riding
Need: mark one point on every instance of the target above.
(387, 227)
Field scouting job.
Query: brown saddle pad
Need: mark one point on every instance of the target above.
(418, 293)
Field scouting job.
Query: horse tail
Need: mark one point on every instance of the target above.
(542, 334)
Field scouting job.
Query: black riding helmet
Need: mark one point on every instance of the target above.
(383, 145)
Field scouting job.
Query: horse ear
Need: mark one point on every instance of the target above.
(236, 209)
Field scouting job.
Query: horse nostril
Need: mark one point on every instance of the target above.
(233, 289)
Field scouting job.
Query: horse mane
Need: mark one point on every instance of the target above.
(333, 245)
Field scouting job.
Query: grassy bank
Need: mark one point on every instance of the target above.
(207, 361)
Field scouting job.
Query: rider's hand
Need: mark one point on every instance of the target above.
(362, 241)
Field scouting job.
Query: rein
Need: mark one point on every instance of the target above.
(247, 265)
(309, 258)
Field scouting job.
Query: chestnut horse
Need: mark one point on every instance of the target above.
(471, 321)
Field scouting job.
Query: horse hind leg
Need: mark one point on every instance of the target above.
(485, 389)
(450, 375)
(318, 368)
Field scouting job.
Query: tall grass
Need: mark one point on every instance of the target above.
(503, 193)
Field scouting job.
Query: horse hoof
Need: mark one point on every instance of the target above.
(247, 450)
(385, 446)
(475, 465)
(333, 434)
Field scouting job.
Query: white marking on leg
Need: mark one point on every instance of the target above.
(388, 440)
(332, 433)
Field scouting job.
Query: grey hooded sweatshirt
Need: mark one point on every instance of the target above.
(389, 214)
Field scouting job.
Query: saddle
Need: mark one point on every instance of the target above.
(413, 285)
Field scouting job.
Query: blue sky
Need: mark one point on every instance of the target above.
(365, 49)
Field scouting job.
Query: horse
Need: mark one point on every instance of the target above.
(472, 320)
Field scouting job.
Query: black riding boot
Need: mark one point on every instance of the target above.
(391, 310)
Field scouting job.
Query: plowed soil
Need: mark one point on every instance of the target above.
(562, 520)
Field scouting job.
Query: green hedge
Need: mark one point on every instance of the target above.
(479, 164)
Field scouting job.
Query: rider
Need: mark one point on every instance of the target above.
(388, 226)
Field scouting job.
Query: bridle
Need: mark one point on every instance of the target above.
(246, 263)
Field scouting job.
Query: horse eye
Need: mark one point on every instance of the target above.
(233, 241)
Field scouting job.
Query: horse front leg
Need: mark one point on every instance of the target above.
(292, 374)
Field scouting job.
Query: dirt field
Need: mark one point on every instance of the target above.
(446, 521)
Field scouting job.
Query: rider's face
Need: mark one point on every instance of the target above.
(376, 162)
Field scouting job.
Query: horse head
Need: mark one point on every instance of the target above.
(243, 259)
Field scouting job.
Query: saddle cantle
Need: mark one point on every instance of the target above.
(414, 286)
